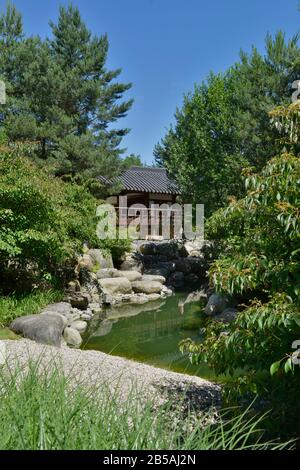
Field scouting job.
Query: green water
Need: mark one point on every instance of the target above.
(150, 333)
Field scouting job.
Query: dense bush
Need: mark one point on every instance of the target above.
(259, 262)
(43, 221)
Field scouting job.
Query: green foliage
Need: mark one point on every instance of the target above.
(132, 160)
(61, 98)
(44, 221)
(286, 121)
(44, 411)
(262, 232)
(14, 306)
(259, 263)
(200, 152)
(223, 126)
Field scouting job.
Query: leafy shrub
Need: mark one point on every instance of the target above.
(259, 259)
(43, 221)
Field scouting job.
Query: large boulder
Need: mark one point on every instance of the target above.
(164, 269)
(63, 317)
(115, 285)
(78, 300)
(106, 273)
(45, 329)
(79, 325)
(168, 249)
(73, 286)
(153, 277)
(130, 275)
(132, 262)
(63, 308)
(85, 262)
(177, 279)
(166, 291)
(227, 316)
(216, 304)
(101, 259)
(147, 287)
(195, 245)
(184, 265)
(149, 249)
(192, 279)
(72, 337)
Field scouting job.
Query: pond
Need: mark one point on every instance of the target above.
(150, 333)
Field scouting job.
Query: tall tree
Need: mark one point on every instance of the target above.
(223, 126)
(68, 100)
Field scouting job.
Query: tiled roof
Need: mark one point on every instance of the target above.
(145, 179)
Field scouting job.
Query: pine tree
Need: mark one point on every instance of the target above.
(61, 97)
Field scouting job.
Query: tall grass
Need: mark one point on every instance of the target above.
(41, 411)
(14, 306)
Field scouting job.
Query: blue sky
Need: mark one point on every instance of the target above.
(165, 46)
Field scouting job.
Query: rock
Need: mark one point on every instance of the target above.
(116, 285)
(148, 248)
(195, 254)
(194, 245)
(154, 277)
(80, 326)
(64, 308)
(183, 265)
(106, 273)
(164, 269)
(228, 315)
(101, 259)
(165, 290)
(80, 301)
(138, 299)
(73, 286)
(130, 275)
(95, 308)
(63, 317)
(132, 262)
(197, 265)
(72, 337)
(45, 329)
(147, 287)
(85, 262)
(191, 278)
(168, 249)
(177, 279)
(182, 252)
(216, 304)
(86, 316)
(153, 297)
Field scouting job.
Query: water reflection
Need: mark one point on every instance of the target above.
(149, 333)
